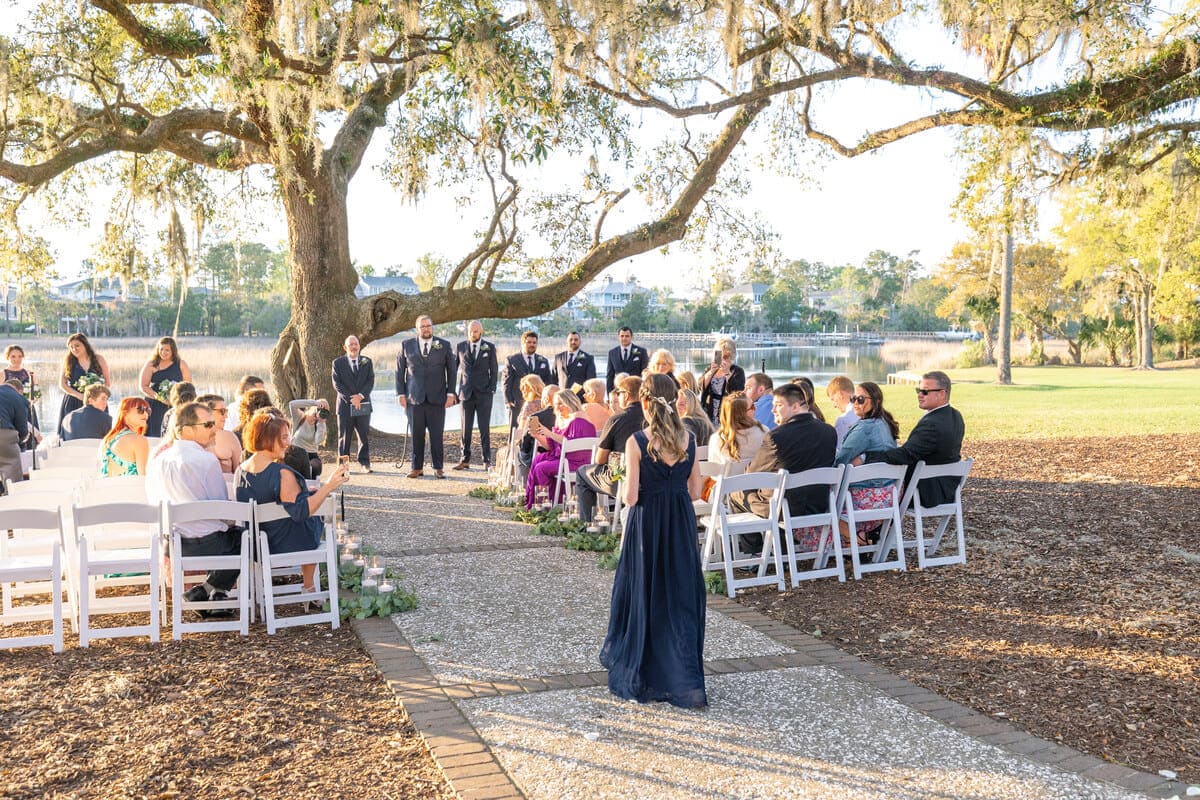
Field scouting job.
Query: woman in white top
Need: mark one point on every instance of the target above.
(739, 435)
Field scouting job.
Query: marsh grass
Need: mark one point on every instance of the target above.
(1051, 402)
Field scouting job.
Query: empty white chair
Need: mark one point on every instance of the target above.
(85, 459)
(566, 475)
(70, 473)
(944, 513)
(31, 562)
(267, 564)
(829, 478)
(889, 517)
(81, 444)
(227, 511)
(722, 542)
(117, 489)
(111, 539)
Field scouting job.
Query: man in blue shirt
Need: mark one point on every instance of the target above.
(758, 391)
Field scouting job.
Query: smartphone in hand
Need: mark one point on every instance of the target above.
(344, 463)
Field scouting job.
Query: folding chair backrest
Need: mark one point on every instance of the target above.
(702, 452)
(31, 564)
(582, 443)
(875, 472)
(924, 472)
(43, 501)
(711, 469)
(829, 477)
(117, 489)
(64, 473)
(117, 524)
(737, 467)
(94, 444)
(225, 510)
(86, 459)
(746, 482)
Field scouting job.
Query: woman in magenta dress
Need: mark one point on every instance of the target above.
(655, 645)
(572, 424)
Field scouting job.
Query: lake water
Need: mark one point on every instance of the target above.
(217, 365)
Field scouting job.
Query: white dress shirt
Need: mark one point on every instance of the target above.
(183, 473)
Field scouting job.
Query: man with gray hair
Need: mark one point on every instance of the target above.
(936, 439)
(186, 472)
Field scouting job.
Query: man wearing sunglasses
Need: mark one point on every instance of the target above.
(936, 439)
(186, 472)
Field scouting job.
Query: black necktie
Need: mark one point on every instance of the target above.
(426, 350)
(531, 363)
(570, 359)
(625, 354)
(354, 365)
(474, 351)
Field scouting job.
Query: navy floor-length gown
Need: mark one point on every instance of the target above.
(158, 410)
(70, 403)
(655, 644)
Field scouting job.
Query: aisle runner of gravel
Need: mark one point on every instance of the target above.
(501, 605)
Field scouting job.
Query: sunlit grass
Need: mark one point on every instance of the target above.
(1053, 402)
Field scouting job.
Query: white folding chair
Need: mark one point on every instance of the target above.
(831, 479)
(889, 516)
(117, 489)
(69, 473)
(268, 563)
(566, 475)
(31, 563)
(93, 445)
(87, 460)
(119, 544)
(240, 598)
(722, 542)
(710, 469)
(702, 452)
(945, 513)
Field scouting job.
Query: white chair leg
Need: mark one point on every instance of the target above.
(56, 589)
(84, 592)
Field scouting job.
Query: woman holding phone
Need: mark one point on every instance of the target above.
(722, 378)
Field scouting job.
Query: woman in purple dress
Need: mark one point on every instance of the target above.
(572, 424)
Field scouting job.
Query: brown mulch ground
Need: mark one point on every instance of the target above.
(1077, 616)
(297, 715)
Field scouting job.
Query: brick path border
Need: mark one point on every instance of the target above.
(474, 772)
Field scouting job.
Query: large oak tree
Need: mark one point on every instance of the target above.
(483, 89)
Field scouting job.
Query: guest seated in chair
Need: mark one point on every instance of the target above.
(125, 449)
(571, 424)
(594, 407)
(740, 435)
(687, 404)
(875, 431)
(264, 479)
(92, 420)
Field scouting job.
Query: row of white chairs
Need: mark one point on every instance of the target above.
(725, 527)
(117, 539)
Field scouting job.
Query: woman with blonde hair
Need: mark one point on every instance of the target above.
(531, 387)
(571, 424)
(662, 363)
(687, 380)
(740, 435)
(594, 407)
(721, 379)
(694, 419)
(655, 643)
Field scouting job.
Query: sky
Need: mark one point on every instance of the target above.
(897, 199)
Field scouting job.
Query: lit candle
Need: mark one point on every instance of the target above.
(593, 528)
(386, 587)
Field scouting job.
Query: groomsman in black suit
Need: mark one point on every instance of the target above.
(476, 385)
(425, 389)
(935, 439)
(354, 380)
(527, 362)
(573, 366)
(626, 357)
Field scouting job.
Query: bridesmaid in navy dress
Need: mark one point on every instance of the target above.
(166, 365)
(80, 360)
(655, 644)
(264, 479)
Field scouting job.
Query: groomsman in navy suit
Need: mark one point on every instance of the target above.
(425, 389)
(527, 362)
(354, 380)
(573, 366)
(626, 357)
(476, 385)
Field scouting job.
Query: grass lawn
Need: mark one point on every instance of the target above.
(1049, 402)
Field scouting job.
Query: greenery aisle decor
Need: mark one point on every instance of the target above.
(384, 598)
(714, 583)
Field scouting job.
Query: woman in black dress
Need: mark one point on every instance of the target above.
(80, 360)
(721, 379)
(655, 644)
(165, 365)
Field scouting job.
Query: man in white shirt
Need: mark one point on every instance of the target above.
(186, 472)
(839, 392)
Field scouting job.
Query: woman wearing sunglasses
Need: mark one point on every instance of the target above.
(875, 430)
(125, 449)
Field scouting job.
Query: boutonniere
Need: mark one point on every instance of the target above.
(483, 348)
(436, 345)
(575, 387)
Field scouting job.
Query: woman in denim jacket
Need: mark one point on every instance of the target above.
(876, 429)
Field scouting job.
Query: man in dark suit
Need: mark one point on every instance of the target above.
(14, 422)
(573, 366)
(626, 357)
(92, 421)
(596, 478)
(798, 442)
(936, 439)
(527, 362)
(354, 380)
(425, 389)
(476, 387)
